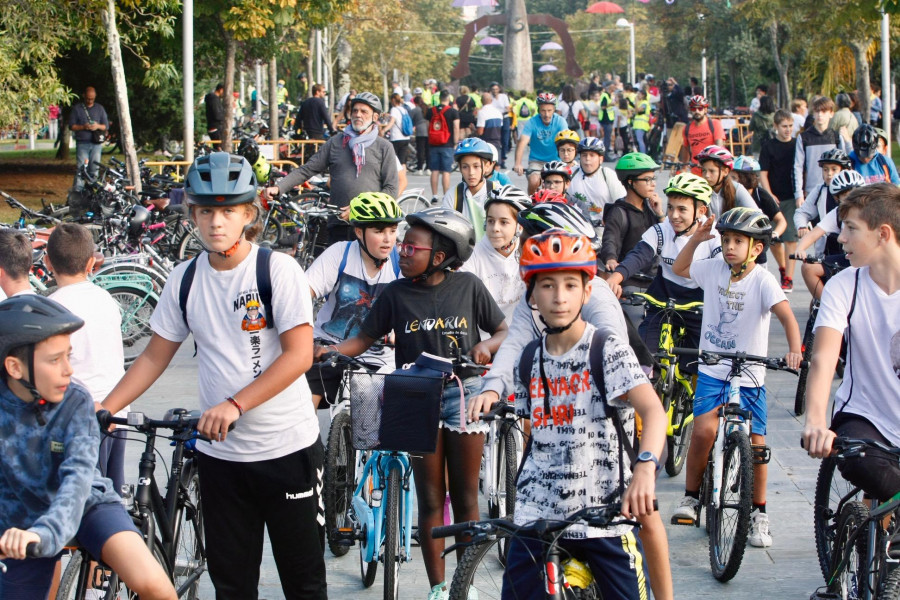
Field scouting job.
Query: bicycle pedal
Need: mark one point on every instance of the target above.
(683, 521)
(346, 536)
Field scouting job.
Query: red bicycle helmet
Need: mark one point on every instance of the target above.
(717, 153)
(546, 98)
(557, 250)
(698, 101)
(544, 195)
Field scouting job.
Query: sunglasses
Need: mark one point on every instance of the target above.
(410, 249)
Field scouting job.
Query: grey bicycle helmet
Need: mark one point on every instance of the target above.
(452, 226)
(220, 179)
(836, 156)
(591, 144)
(549, 215)
(556, 167)
(369, 99)
(751, 222)
(510, 195)
(845, 180)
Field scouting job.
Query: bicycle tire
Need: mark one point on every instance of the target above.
(728, 536)
(368, 570)
(340, 469)
(679, 443)
(809, 337)
(115, 587)
(479, 568)
(510, 468)
(392, 537)
(189, 549)
(846, 582)
(136, 309)
(189, 246)
(272, 232)
(830, 489)
(890, 587)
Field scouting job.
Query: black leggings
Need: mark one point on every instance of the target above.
(243, 500)
(421, 151)
(877, 472)
(401, 147)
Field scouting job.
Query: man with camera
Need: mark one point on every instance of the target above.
(90, 124)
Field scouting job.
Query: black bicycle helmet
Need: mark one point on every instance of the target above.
(249, 149)
(865, 141)
(137, 217)
(220, 179)
(551, 215)
(836, 156)
(452, 226)
(29, 319)
(751, 222)
(369, 99)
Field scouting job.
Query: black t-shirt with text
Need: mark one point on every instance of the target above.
(777, 158)
(435, 319)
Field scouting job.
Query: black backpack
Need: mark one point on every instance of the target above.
(572, 120)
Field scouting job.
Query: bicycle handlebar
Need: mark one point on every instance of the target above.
(499, 412)
(183, 423)
(692, 307)
(712, 358)
(32, 550)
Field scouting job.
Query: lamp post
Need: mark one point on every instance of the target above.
(623, 22)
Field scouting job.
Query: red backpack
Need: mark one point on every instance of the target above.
(438, 130)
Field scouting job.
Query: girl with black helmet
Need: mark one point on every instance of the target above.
(351, 276)
(436, 310)
(50, 488)
(874, 166)
(250, 313)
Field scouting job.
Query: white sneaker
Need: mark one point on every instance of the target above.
(686, 512)
(759, 530)
(439, 592)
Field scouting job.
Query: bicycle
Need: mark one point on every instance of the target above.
(727, 486)
(832, 267)
(172, 525)
(477, 577)
(863, 551)
(674, 388)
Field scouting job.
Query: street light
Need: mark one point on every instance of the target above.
(623, 22)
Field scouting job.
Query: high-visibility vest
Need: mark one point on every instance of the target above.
(610, 115)
(642, 120)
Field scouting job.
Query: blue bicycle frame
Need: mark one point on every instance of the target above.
(371, 516)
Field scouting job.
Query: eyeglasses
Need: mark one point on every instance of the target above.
(410, 249)
(549, 182)
(647, 179)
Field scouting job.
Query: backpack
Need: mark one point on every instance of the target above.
(595, 360)
(571, 119)
(524, 111)
(461, 193)
(687, 131)
(394, 260)
(406, 123)
(263, 286)
(438, 131)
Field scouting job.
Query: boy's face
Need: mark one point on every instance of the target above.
(736, 248)
(829, 170)
(221, 226)
(52, 371)
(680, 211)
(590, 162)
(859, 242)
(472, 171)
(566, 152)
(559, 296)
(379, 240)
(500, 225)
(415, 265)
(803, 109)
(783, 130)
(555, 182)
(821, 118)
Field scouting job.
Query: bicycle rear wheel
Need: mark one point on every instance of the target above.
(190, 556)
(339, 480)
(99, 577)
(392, 537)
(680, 440)
(808, 338)
(890, 588)
(848, 579)
(368, 569)
(729, 524)
(479, 573)
(831, 490)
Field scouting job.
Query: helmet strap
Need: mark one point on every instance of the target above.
(693, 223)
(554, 330)
(379, 262)
(38, 403)
(233, 250)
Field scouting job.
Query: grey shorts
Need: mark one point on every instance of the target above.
(788, 208)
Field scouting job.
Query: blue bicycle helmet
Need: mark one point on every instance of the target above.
(473, 147)
(591, 144)
(747, 164)
(220, 179)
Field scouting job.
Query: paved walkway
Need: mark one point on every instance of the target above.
(788, 569)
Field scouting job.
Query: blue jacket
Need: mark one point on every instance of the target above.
(48, 474)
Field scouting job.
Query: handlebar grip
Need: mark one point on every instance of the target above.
(448, 530)
(686, 351)
(33, 550)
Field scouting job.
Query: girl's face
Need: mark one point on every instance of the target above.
(379, 240)
(220, 227)
(472, 170)
(415, 251)
(555, 182)
(500, 226)
(566, 152)
(714, 172)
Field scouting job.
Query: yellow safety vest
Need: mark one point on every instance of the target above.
(642, 119)
(609, 108)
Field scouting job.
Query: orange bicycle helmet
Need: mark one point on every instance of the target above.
(544, 195)
(557, 250)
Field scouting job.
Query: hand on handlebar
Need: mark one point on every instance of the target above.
(272, 192)
(518, 169)
(793, 360)
(480, 353)
(14, 543)
(345, 214)
(799, 255)
(818, 440)
(480, 404)
(217, 421)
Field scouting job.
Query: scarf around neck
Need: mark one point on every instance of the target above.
(358, 144)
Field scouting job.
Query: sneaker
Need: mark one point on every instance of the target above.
(787, 284)
(426, 172)
(759, 530)
(435, 200)
(439, 592)
(686, 512)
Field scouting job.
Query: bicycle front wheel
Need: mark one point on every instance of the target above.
(680, 440)
(479, 573)
(99, 578)
(831, 490)
(367, 569)
(392, 538)
(808, 338)
(847, 569)
(729, 524)
(190, 556)
(340, 471)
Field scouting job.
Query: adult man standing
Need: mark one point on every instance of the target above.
(215, 113)
(501, 103)
(489, 125)
(314, 115)
(357, 160)
(605, 115)
(89, 121)
(701, 131)
(440, 155)
(675, 106)
(539, 136)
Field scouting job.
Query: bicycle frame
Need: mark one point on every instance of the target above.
(731, 417)
(493, 459)
(371, 519)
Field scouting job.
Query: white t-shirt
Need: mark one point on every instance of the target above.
(620, 119)
(873, 358)
(736, 316)
(830, 222)
(501, 101)
(472, 205)
(348, 303)
(234, 347)
(487, 113)
(396, 132)
(98, 359)
(500, 275)
(672, 245)
(591, 193)
(573, 461)
(799, 121)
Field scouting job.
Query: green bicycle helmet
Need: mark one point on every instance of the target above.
(633, 164)
(220, 179)
(690, 185)
(371, 208)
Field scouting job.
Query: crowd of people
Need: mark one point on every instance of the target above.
(524, 280)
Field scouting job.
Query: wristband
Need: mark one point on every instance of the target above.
(236, 405)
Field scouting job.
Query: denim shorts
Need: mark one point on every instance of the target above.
(450, 406)
(711, 393)
(440, 159)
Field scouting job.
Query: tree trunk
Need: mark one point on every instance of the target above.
(518, 69)
(344, 54)
(274, 124)
(121, 88)
(228, 97)
(782, 67)
(859, 49)
(65, 135)
(310, 62)
(732, 81)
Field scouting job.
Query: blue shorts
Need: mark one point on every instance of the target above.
(440, 159)
(617, 563)
(450, 406)
(31, 578)
(711, 393)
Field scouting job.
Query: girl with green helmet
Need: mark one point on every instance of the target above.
(350, 276)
